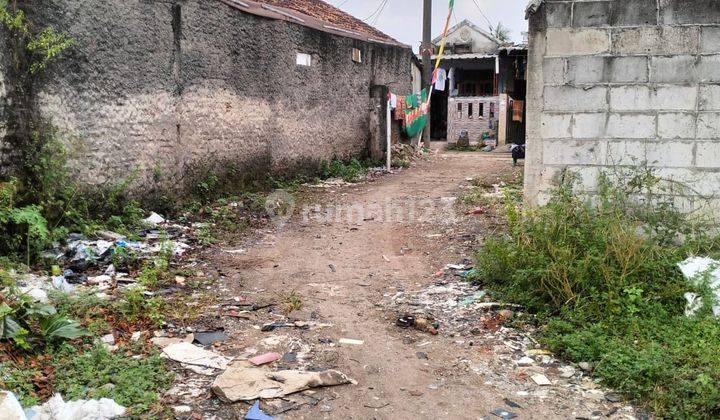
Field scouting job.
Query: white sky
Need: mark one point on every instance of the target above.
(402, 19)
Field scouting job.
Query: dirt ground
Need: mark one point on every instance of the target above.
(401, 232)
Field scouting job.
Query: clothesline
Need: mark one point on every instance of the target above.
(413, 109)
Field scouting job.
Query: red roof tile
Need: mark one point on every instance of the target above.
(322, 11)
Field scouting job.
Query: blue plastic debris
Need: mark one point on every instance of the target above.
(256, 413)
(503, 414)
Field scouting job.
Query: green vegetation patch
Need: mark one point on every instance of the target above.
(602, 274)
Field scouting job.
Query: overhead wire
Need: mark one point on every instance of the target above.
(380, 6)
(377, 17)
(482, 13)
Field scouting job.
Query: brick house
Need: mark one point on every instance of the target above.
(486, 78)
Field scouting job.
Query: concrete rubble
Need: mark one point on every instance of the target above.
(464, 312)
(196, 358)
(244, 382)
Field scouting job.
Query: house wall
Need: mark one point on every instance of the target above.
(478, 123)
(4, 153)
(479, 42)
(615, 84)
(174, 89)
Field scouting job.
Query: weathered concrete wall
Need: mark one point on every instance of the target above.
(176, 88)
(4, 163)
(625, 83)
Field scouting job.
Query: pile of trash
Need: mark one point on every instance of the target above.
(58, 409)
(84, 262)
(519, 367)
(451, 306)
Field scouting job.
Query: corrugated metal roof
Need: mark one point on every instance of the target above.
(314, 14)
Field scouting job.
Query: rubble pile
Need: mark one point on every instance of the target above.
(458, 309)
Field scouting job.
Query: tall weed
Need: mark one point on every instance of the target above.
(602, 271)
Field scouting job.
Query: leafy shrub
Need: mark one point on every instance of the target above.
(350, 172)
(136, 306)
(27, 324)
(603, 273)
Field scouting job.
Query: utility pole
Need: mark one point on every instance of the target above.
(426, 50)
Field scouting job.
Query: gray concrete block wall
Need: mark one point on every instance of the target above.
(614, 84)
(185, 87)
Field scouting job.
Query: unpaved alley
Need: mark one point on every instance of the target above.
(353, 259)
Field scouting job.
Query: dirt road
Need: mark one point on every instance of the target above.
(401, 231)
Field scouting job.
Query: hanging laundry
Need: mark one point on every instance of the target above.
(440, 79)
(416, 118)
(517, 110)
(411, 101)
(400, 108)
(393, 101)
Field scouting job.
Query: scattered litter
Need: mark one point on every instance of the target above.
(264, 358)
(154, 219)
(196, 358)
(61, 284)
(297, 324)
(57, 409)
(419, 323)
(234, 251)
(477, 211)
(243, 382)
(526, 361)
(351, 341)
(386, 258)
(108, 339)
(10, 408)
(503, 414)
(209, 338)
(701, 272)
(538, 352)
(511, 403)
(255, 413)
(422, 355)
(567, 372)
(541, 379)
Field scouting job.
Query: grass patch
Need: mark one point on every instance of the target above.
(97, 373)
(604, 280)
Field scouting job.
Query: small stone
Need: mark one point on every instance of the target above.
(526, 361)
(416, 393)
(182, 409)
(433, 386)
(567, 372)
(587, 367)
(541, 379)
(421, 355)
(325, 408)
(506, 313)
(136, 336)
(108, 339)
(180, 280)
(613, 397)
